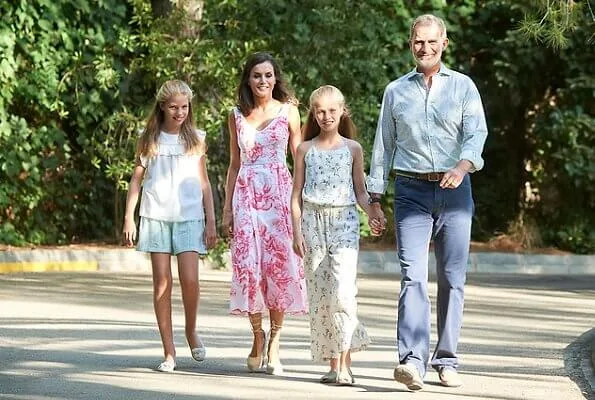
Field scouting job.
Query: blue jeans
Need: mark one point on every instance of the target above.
(424, 211)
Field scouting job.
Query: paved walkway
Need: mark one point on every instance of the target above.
(92, 335)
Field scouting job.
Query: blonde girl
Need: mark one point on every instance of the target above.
(328, 186)
(177, 216)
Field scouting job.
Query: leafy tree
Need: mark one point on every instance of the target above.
(529, 88)
(59, 75)
(553, 21)
(77, 78)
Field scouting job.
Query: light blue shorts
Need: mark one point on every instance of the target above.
(157, 236)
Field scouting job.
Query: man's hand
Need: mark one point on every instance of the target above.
(453, 177)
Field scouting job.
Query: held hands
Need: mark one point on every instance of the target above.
(452, 178)
(376, 220)
(227, 223)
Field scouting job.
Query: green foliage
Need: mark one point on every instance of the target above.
(565, 175)
(303, 35)
(77, 78)
(218, 255)
(58, 79)
(552, 22)
(538, 135)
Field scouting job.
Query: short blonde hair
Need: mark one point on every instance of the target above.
(428, 19)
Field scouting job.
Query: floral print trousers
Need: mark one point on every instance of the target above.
(331, 236)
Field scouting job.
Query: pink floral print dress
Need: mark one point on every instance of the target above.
(267, 275)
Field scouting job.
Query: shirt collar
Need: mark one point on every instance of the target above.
(442, 71)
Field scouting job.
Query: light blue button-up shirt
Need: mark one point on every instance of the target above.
(427, 130)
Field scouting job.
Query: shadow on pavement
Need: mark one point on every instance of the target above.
(515, 329)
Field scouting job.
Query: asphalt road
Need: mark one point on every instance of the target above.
(94, 336)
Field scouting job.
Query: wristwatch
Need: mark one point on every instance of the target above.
(372, 200)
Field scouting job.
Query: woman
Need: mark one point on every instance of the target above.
(267, 275)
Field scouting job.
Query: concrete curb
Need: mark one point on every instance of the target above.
(370, 262)
(386, 262)
(109, 259)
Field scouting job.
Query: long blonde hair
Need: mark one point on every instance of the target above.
(149, 139)
(311, 128)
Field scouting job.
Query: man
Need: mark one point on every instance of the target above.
(431, 133)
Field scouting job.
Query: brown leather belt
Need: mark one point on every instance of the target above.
(430, 176)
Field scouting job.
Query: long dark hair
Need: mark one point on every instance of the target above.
(280, 92)
(311, 128)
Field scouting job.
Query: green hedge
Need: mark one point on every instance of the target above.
(77, 77)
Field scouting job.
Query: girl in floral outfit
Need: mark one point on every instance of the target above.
(328, 184)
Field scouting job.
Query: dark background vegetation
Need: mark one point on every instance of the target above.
(78, 76)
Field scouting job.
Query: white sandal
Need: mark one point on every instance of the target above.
(199, 353)
(345, 378)
(167, 366)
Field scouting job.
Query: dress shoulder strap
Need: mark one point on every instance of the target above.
(285, 109)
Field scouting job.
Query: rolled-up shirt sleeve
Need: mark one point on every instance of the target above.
(475, 129)
(384, 146)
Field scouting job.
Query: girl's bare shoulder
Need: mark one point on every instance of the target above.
(293, 110)
(304, 146)
(353, 145)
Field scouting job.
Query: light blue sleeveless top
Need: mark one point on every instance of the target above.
(329, 176)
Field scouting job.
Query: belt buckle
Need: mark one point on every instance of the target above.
(434, 176)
